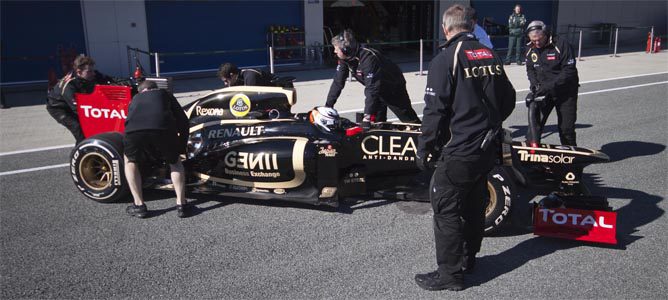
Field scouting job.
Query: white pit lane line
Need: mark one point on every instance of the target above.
(393, 119)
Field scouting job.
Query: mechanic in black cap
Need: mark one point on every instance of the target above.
(60, 101)
(384, 83)
(156, 126)
(232, 76)
(552, 73)
(467, 97)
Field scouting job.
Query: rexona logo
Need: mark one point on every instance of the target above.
(388, 148)
(251, 164)
(105, 113)
(236, 132)
(240, 105)
(202, 111)
(544, 158)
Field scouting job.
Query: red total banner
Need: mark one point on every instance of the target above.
(103, 110)
(576, 224)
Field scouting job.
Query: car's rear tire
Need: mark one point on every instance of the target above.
(500, 190)
(97, 167)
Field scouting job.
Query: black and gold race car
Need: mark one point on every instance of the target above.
(246, 142)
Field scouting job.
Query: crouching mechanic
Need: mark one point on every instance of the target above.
(552, 73)
(467, 97)
(384, 83)
(156, 126)
(232, 76)
(62, 105)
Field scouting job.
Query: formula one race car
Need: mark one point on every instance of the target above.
(246, 142)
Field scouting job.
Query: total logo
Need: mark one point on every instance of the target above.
(544, 158)
(105, 113)
(572, 219)
(388, 148)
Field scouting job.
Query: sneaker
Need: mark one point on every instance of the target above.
(137, 211)
(507, 62)
(435, 282)
(183, 211)
(468, 264)
(519, 63)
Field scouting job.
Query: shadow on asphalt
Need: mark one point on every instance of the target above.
(520, 131)
(641, 210)
(347, 206)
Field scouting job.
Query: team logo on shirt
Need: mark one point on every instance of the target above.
(551, 56)
(240, 105)
(478, 54)
(534, 57)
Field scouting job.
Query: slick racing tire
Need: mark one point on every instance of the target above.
(500, 200)
(97, 167)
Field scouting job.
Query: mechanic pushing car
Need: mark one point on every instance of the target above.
(232, 76)
(157, 127)
(552, 74)
(384, 83)
(467, 97)
(62, 105)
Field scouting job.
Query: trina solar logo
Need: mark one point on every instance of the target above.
(544, 158)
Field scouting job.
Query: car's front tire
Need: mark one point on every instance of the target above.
(501, 195)
(97, 167)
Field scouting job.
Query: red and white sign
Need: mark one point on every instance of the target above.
(103, 110)
(478, 54)
(576, 224)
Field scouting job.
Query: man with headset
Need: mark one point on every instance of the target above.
(384, 83)
(552, 73)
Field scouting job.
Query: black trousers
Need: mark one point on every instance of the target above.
(400, 104)
(69, 119)
(459, 196)
(566, 107)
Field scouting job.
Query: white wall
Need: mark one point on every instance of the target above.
(109, 27)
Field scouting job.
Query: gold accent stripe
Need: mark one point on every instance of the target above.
(297, 166)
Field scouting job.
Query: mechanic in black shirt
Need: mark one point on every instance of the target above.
(232, 76)
(157, 126)
(467, 97)
(62, 105)
(384, 83)
(552, 73)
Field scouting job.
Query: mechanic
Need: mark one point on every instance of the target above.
(467, 97)
(60, 101)
(232, 76)
(384, 83)
(156, 126)
(552, 73)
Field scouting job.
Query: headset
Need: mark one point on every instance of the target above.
(536, 25)
(348, 45)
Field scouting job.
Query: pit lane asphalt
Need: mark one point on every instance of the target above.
(57, 244)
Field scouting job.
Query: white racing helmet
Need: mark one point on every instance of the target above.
(324, 117)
